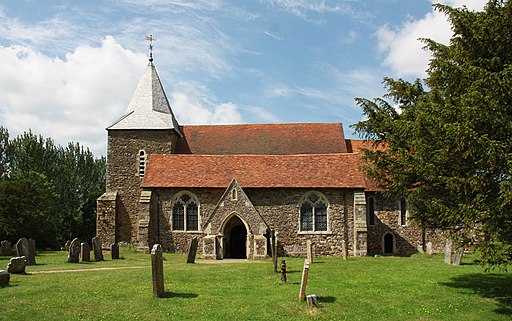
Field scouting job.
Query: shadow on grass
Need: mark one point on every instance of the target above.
(168, 295)
(492, 286)
(326, 299)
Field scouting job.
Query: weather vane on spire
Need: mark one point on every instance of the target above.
(150, 39)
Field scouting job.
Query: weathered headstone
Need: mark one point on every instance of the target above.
(114, 251)
(22, 247)
(5, 248)
(4, 278)
(457, 257)
(312, 300)
(448, 251)
(67, 245)
(157, 269)
(96, 248)
(420, 249)
(273, 248)
(304, 281)
(74, 251)
(344, 251)
(429, 248)
(309, 249)
(17, 265)
(31, 254)
(192, 250)
(283, 271)
(86, 252)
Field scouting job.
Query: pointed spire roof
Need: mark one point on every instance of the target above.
(149, 107)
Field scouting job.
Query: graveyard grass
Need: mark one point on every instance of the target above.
(419, 287)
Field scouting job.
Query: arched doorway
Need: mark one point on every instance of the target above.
(235, 238)
(388, 243)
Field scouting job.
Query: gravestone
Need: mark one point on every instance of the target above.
(283, 271)
(457, 257)
(448, 252)
(114, 251)
(96, 248)
(309, 249)
(157, 270)
(344, 251)
(67, 245)
(312, 300)
(86, 252)
(31, 254)
(74, 251)
(192, 250)
(429, 248)
(304, 281)
(5, 248)
(273, 248)
(17, 265)
(4, 278)
(22, 247)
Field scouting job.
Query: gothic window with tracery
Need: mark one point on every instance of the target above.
(185, 213)
(313, 213)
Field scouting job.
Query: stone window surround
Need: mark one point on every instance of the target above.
(369, 214)
(400, 221)
(196, 200)
(324, 199)
(141, 163)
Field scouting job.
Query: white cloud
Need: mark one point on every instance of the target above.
(404, 51)
(192, 112)
(71, 99)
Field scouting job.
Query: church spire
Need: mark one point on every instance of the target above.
(149, 107)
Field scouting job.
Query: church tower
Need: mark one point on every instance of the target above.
(147, 127)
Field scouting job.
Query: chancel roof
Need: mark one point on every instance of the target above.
(262, 139)
(149, 107)
(255, 171)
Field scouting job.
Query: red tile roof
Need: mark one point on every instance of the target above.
(262, 139)
(255, 171)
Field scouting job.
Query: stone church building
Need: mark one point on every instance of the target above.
(229, 185)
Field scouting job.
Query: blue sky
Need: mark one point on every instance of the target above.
(69, 68)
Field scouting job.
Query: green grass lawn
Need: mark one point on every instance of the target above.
(420, 287)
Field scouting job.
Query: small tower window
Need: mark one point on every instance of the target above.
(371, 210)
(234, 195)
(402, 204)
(142, 163)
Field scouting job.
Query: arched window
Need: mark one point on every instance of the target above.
(402, 206)
(185, 212)
(371, 210)
(142, 163)
(313, 212)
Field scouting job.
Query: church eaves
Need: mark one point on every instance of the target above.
(149, 107)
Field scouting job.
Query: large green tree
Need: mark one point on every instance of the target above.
(448, 140)
(47, 192)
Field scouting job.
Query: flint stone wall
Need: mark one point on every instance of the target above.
(408, 238)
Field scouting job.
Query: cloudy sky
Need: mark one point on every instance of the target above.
(68, 68)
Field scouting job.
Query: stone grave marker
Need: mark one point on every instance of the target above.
(17, 265)
(344, 251)
(192, 251)
(448, 252)
(96, 248)
(157, 270)
(273, 248)
(22, 247)
(74, 251)
(312, 300)
(309, 249)
(304, 281)
(5, 248)
(114, 251)
(4, 278)
(283, 271)
(86, 252)
(31, 253)
(457, 257)
(67, 245)
(429, 248)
